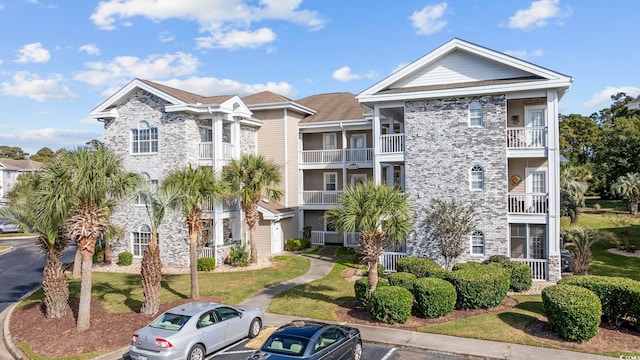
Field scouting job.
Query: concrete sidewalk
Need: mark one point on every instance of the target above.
(322, 265)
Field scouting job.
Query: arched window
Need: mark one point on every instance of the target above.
(140, 240)
(144, 139)
(477, 243)
(475, 114)
(477, 178)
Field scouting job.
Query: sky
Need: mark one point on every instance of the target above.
(59, 59)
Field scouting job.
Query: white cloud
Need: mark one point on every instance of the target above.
(209, 86)
(33, 53)
(122, 68)
(344, 74)
(32, 86)
(90, 49)
(430, 20)
(524, 54)
(603, 98)
(536, 15)
(237, 39)
(165, 37)
(221, 20)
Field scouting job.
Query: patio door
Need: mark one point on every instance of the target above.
(358, 147)
(536, 187)
(358, 179)
(535, 126)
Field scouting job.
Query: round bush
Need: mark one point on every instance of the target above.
(479, 286)
(296, 244)
(573, 312)
(521, 278)
(206, 264)
(403, 279)
(501, 259)
(391, 304)
(125, 258)
(620, 297)
(434, 297)
(361, 288)
(418, 266)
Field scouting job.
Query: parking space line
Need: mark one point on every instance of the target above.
(224, 350)
(387, 355)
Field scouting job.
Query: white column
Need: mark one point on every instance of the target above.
(344, 156)
(235, 138)
(553, 173)
(377, 171)
(216, 123)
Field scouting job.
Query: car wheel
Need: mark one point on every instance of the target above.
(196, 352)
(255, 327)
(357, 351)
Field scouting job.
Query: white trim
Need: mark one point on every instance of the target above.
(471, 178)
(352, 137)
(283, 105)
(474, 104)
(484, 244)
(324, 180)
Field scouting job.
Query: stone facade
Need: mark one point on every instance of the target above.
(440, 150)
(248, 139)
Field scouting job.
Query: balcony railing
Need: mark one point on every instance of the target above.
(527, 138)
(320, 197)
(205, 151)
(389, 260)
(348, 239)
(539, 267)
(359, 155)
(528, 203)
(227, 205)
(392, 143)
(334, 156)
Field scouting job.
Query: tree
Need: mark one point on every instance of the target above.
(628, 187)
(12, 152)
(578, 136)
(252, 179)
(44, 155)
(381, 215)
(93, 180)
(33, 198)
(451, 223)
(579, 241)
(94, 143)
(156, 202)
(195, 186)
(618, 109)
(573, 185)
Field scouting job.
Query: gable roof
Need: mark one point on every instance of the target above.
(339, 106)
(267, 100)
(188, 97)
(462, 68)
(274, 210)
(20, 165)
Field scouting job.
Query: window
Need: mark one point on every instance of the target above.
(475, 114)
(477, 178)
(140, 240)
(329, 141)
(144, 139)
(225, 313)
(477, 243)
(330, 181)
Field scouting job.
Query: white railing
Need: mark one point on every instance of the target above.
(322, 156)
(359, 155)
(207, 252)
(539, 267)
(526, 138)
(352, 239)
(528, 203)
(205, 151)
(227, 151)
(320, 197)
(208, 204)
(317, 237)
(389, 260)
(391, 143)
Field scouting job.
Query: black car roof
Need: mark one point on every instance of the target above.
(302, 328)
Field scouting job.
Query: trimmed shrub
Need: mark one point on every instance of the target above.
(434, 297)
(521, 278)
(440, 274)
(620, 297)
(296, 244)
(239, 257)
(125, 258)
(206, 264)
(403, 279)
(501, 259)
(478, 285)
(573, 312)
(418, 266)
(391, 304)
(361, 288)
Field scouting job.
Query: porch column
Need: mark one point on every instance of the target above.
(235, 138)
(553, 237)
(216, 123)
(377, 171)
(344, 156)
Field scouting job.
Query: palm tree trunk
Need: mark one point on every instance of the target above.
(254, 247)
(151, 276)
(77, 265)
(251, 217)
(373, 275)
(108, 254)
(87, 247)
(193, 262)
(55, 287)
(634, 208)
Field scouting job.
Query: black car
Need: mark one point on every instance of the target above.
(311, 340)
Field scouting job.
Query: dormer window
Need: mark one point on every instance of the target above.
(475, 114)
(144, 139)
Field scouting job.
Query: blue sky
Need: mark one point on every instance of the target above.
(59, 59)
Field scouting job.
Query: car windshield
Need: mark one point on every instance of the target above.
(169, 321)
(285, 344)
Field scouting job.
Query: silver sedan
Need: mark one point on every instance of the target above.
(193, 330)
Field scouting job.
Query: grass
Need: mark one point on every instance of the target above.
(3, 249)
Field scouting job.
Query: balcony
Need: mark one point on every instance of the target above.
(528, 203)
(320, 197)
(336, 156)
(539, 267)
(205, 151)
(527, 138)
(348, 239)
(392, 144)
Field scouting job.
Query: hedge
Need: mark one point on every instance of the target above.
(418, 266)
(521, 278)
(403, 279)
(573, 312)
(391, 304)
(125, 258)
(434, 297)
(296, 244)
(478, 285)
(620, 297)
(361, 288)
(206, 264)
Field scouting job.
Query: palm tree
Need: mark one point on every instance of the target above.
(93, 180)
(579, 241)
(628, 187)
(157, 202)
(28, 202)
(195, 185)
(253, 178)
(381, 214)
(573, 185)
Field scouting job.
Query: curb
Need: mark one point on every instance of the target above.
(13, 350)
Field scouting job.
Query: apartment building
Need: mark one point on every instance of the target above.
(463, 122)
(10, 169)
